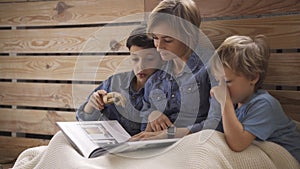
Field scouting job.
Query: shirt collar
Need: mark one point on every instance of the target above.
(192, 64)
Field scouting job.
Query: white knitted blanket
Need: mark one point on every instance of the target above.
(205, 149)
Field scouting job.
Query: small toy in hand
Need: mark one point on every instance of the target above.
(116, 98)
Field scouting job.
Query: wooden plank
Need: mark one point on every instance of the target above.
(11, 147)
(8, 165)
(52, 95)
(282, 31)
(284, 69)
(290, 101)
(10, 1)
(33, 121)
(233, 8)
(63, 67)
(45, 13)
(65, 40)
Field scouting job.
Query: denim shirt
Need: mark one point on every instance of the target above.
(128, 117)
(183, 99)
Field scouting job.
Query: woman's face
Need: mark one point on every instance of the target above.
(144, 62)
(168, 46)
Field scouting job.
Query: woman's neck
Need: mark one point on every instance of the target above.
(178, 66)
(180, 62)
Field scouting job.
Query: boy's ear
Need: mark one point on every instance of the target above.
(255, 80)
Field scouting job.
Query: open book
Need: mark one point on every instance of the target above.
(95, 138)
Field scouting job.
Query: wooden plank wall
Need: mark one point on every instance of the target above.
(278, 20)
(52, 55)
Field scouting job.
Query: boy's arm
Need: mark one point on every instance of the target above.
(87, 112)
(236, 137)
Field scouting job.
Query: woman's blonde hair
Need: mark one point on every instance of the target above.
(182, 15)
(244, 56)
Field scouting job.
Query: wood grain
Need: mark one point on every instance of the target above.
(290, 101)
(11, 147)
(282, 31)
(63, 67)
(54, 29)
(284, 69)
(52, 95)
(237, 8)
(33, 121)
(70, 12)
(65, 40)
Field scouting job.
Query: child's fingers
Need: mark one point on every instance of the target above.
(222, 82)
(101, 94)
(212, 91)
(117, 98)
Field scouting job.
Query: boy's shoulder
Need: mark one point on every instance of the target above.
(262, 94)
(264, 97)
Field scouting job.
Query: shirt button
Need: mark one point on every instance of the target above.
(189, 89)
(173, 95)
(158, 98)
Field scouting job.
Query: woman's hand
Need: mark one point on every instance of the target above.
(158, 121)
(149, 135)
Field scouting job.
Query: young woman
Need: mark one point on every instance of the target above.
(124, 89)
(176, 100)
(249, 112)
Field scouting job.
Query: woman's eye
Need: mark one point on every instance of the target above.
(168, 40)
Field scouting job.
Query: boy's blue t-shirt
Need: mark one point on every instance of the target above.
(264, 117)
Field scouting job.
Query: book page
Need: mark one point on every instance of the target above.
(77, 137)
(90, 135)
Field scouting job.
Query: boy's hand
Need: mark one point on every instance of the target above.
(220, 92)
(158, 121)
(95, 101)
(114, 97)
(99, 98)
